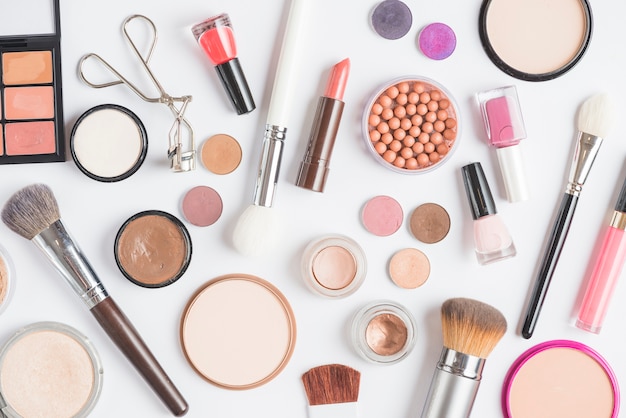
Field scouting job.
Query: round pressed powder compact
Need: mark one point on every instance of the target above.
(560, 378)
(49, 369)
(550, 47)
(153, 249)
(383, 332)
(333, 266)
(238, 331)
(411, 125)
(109, 143)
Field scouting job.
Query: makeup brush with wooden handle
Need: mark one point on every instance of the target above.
(33, 213)
(471, 330)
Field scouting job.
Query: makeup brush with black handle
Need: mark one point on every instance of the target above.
(471, 330)
(33, 213)
(595, 120)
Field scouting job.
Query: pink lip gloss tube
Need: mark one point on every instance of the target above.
(606, 270)
(504, 127)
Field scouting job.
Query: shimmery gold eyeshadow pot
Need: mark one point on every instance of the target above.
(548, 47)
(31, 105)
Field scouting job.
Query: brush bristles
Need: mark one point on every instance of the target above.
(256, 231)
(331, 384)
(31, 210)
(471, 327)
(597, 115)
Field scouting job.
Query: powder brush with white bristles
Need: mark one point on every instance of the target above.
(595, 120)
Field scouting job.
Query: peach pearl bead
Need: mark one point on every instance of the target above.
(374, 135)
(425, 97)
(386, 138)
(402, 99)
(382, 127)
(406, 124)
(395, 146)
(389, 156)
(377, 108)
(399, 134)
(423, 160)
(385, 101)
(422, 109)
(394, 123)
(404, 87)
(374, 120)
(406, 153)
(399, 162)
(436, 138)
(439, 125)
(413, 97)
(392, 92)
(399, 111)
(408, 141)
(435, 95)
(418, 148)
(415, 131)
(380, 147)
(411, 109)
(411, 164)
(429, 147)
(423, 138)
(387, 113)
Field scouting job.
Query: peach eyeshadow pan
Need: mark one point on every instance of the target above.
(238, 331)
(560, 378)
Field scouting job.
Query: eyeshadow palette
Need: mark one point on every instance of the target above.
(31, 105)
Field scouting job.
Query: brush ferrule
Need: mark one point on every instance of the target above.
(454, 385)
(269, 166)
(57, 244)
(461, 364)
(587, 147)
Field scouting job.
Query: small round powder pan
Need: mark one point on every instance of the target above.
(550, 47)
(238, 331)
(411, 125)
(383, 332)
(153, 249)
(560, 378)
(333, 266)
(49, 369)
(109, 143)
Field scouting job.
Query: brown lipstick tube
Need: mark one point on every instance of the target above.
(315, 165)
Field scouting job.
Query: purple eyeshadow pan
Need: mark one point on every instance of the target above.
(437, 41)
(392, 19)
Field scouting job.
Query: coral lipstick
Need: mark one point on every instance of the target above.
(338, 80)
(216, 38)
(315, 165)
(606, 270)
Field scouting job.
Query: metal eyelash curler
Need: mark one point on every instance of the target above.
(180, 161)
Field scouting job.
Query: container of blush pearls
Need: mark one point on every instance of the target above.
(333, 266)
(492, 240)
(504, 127)
(411, 125)
(153, 249)
(49, 369)
(216, 38)
(7, 279)
(383, 332)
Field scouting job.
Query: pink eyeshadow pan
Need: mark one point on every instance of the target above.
(29, 103)
(30, 138)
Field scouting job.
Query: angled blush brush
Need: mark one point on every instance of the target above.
(332, 391)
(471, 330)
(258, 227)
(33, 213)
(595, 120)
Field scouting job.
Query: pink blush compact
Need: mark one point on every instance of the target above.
(560, 378)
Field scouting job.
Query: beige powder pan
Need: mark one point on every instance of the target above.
(560, 378)
(49, 369)
(238, 331)
(533, 40)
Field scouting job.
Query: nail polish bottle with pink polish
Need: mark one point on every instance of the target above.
(492, 240)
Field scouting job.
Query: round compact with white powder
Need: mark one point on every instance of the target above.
(49, 369)
(109, 143)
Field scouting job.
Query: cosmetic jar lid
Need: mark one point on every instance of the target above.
(109, 143)
(153, 249)
(560, 378)
(411, 125)
(549, 48)
(333, 266)
(478, 192)
(7, 279)
(49, 369)
(383, 332)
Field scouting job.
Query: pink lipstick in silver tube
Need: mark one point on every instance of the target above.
(504, 127)
(607, 267)
(315, 165)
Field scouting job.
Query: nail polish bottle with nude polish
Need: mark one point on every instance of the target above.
(492, 240)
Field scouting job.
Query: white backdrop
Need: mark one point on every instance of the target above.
(94, 211)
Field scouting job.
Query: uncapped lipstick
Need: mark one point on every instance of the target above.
(315, 165)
